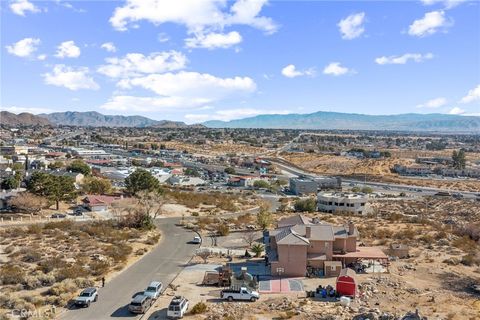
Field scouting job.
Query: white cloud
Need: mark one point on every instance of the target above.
(433, 103)
(456, 110)
(416, 57)
(67, 49)
(23, 48)
(429, 24)
(109, 46)
(472, 95)
(19, 7)
(195, 15)
(336, 69)
(291, 71)
(447, 3)
(229, 114)
(71, 78)
(179, 90)
(42, 57)
(34, 110)
(352, 26)
(151, 104)
(214, 40)
(190, 84)
(135, 64)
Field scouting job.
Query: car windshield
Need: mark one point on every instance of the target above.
(152, 289)
(136, 304)
(85, 294)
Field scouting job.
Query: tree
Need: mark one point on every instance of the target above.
(367, 190)
(80, 167)
(55, 188)
(264, 218)
(261, 184)
(204, 254)
(95, 185)
(152, 202)
(223, 229)
(230, 170)
(249, 237)
(138, 219)
(191, 172)
(28, 202)
(56, 165)
(9, 183)
(458, 158)
(141, 180)
(305, 205)
(258, 248)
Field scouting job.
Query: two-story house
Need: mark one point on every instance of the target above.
(300, 243)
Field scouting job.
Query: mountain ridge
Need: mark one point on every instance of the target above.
(97, 119)
(355, 121)
(22, 119)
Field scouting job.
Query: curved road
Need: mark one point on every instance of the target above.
(163, 264)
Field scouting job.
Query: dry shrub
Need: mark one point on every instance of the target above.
(84, 283)
(153, 239)
(71, 272)
(12, 274)
(30, 255)
(66, 286)
(118, 253)
(222, 229)
(199, 308)
(98, 268)
(465, 243)
(51, 264)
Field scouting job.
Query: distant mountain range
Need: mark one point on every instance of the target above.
(352, 121)
(318, 120)
(96, 119)
(22, 119)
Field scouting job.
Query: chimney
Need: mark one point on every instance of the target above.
(351, 228)
(308, 232)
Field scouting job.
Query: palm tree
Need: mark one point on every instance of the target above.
(257, 248)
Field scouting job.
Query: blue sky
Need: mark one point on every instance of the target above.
(196, 60)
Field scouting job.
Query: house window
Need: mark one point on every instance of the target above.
(362, 204)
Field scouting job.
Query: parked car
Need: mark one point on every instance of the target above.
(86, 297)
(239, 294)
(58, 216)
(140, 304)
(153, 290)
(177, 307)
(77, 213)
(196, 240)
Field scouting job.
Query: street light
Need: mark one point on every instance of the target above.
(279, 272)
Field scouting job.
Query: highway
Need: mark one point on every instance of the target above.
(282, 164)
(162, 264)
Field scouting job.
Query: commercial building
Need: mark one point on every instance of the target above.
(332, 202)
(305, 185)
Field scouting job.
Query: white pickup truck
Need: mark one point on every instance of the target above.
(239, 294)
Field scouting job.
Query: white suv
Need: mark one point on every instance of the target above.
(153, 290)
(177, 308)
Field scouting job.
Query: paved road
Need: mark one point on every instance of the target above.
(163, 264)
(393, 186)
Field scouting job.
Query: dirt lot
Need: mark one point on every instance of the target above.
(46, 265)
(374, 170)
(215, 149)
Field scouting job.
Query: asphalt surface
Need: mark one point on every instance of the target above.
(380, 185)
(162, 264)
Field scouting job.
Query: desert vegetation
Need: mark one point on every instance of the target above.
(45, 265)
